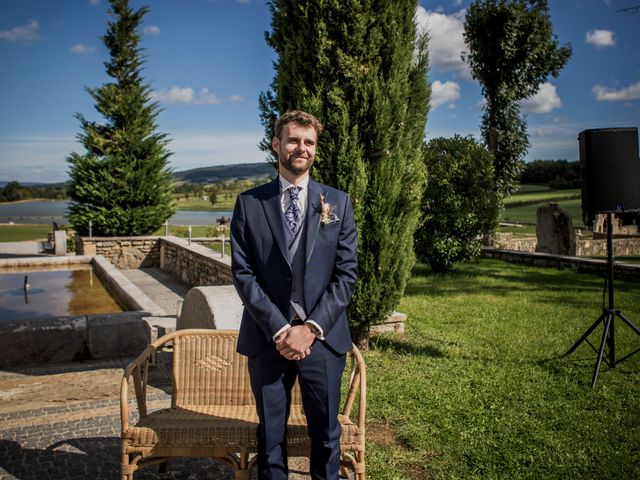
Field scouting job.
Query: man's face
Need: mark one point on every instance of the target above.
(296, 148)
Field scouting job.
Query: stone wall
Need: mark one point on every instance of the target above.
(585, 265)
(623, 247)
(194, 264)
(124, 253)
(506, 241)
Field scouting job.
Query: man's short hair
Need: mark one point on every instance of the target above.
(298, 117)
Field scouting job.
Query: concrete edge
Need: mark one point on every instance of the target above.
(44, 261)
(124, 290)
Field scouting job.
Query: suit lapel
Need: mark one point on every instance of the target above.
(273, 212)
(313, 216)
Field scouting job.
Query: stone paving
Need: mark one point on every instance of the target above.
(63, 421)
(73, 432)
(162, 287)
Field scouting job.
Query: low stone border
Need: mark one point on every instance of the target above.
(69, 338)
(585, 265)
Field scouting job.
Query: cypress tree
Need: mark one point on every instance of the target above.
(122, 184)
(360, 67)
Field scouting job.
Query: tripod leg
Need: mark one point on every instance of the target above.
(635, 329)
(628, 322)
(605, 335)
(587, 333)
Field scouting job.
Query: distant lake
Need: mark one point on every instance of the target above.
(50, 211)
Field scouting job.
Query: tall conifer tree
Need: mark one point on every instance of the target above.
(122, 184)
(359, 66)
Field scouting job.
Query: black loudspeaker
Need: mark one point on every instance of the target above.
(609, 171)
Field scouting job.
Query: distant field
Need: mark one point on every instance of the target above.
(532, 188)
(542, 196)
(197, 204)
(20, 233)
(527, 213)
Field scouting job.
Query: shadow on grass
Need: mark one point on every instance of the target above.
(393, 344)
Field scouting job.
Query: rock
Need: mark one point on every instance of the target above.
(554, 231)
(217, 307)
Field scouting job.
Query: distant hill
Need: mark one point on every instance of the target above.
(220, 173)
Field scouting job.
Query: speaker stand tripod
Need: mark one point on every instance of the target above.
(608, 317)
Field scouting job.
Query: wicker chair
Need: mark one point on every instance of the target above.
(212, 411)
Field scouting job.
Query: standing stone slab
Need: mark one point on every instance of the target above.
(554, 231)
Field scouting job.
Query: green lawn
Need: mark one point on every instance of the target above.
(527, 213)
(544, 196)
(19, 233)
(197, 204)
(477, 388)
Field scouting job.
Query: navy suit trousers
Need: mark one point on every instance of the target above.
(272, 379)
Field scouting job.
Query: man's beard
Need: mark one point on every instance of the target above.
(296, 169)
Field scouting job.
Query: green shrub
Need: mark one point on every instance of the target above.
(460, 203)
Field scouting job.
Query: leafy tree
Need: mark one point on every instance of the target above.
(12, 191)
(512, 50)
(460, 202)
(360, 67)
(122, 183)
(555, 173)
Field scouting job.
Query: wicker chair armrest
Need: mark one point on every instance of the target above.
(133, 372)
(357, 387)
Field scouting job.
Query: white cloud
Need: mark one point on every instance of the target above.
(95, 3)
(186, 95)
(606, 94)
(27, 33)
(236, 98)
(544, 101)
(600, 38)
(444, 92)
(81, 49)
(152, 30)
(446, 42)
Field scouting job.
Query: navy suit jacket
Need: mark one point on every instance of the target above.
(262, 272)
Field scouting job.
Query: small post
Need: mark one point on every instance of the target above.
(166, 228)
(222, 249)
(90, 228)
(189, 229)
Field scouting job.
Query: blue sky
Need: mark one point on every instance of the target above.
(208, 61)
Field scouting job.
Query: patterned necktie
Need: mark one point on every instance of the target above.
(292, 213)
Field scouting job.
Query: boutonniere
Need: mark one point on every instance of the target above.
(327, 214)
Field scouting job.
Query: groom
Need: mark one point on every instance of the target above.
(294, 266)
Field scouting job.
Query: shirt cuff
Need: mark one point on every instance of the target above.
(279, 332)
(318, 329)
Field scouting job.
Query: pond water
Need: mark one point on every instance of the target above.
(75, 290)
(49, 211)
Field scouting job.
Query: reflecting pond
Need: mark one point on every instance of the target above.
(28, 293)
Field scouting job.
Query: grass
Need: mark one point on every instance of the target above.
(198, 204)
(542, 197)
(477, 387)
(19, 233)
(527, 213)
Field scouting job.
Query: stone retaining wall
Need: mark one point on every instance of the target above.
(585, 265)
(124, 253)
(584, 248)
(194, 264)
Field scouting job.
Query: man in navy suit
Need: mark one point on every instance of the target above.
(294, 266)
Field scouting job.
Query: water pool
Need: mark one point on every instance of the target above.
(55, 291)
